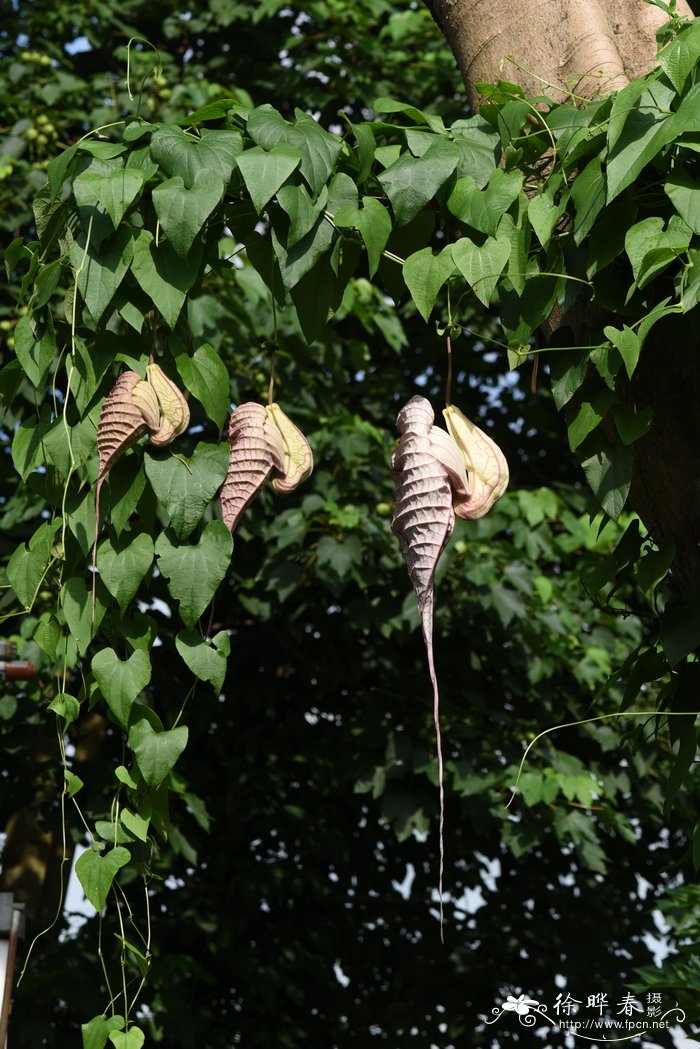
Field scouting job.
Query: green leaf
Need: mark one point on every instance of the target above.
(182, 212)
(374, 223)
(76, 605)
(184, 155)
(318, 294)
(131, 1039)
(80, 516)
(96, 1031)
(632, 425)
(609, 473)
(629, 345)
(195, 572)
(57, 168)
(588, 195)
(680, 630)
(483, 209)
(480, 145)
(156, 752)
(29, 564)
(47, 634)
(185, 487)
(90, 365)
(73, 783)
(544, 213)
(115, 192)
(101, 269)
(680, 57)
(411, 182)
(96, 873)
(205, 375)
(127, 481)
(206, 660)
(302, 211)
(163, 275)
(425, 274)
(305, 255)
(390, 105)
(125, 777)
(337, 556)
(28, 451)
(121, 681)
(640, 126)
(265, 172)
(123, 563)
(318, 149)
(482, 265)
(66, 707)
(684, 193)
(651, 248)
(136, 825)
(591, 407)
(35, 345)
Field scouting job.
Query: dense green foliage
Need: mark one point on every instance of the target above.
(249, 753)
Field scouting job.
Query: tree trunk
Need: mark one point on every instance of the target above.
(590, 47)
(552, 47)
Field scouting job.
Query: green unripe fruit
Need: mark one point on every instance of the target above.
(363, 291)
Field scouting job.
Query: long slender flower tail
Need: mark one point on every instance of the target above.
(423, 522)
(426, 615)
(256, 454)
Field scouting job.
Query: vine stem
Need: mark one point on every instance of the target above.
(448, 381)
(271, 385)
(588, 721)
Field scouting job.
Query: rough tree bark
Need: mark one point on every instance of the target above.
(592, 47)
(551, 47)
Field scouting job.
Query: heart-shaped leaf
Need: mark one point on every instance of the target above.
(163, 275)
(374, 223)
(205, 375)
(131, 1039)
(96, 1031)
(425, 274)
(264, 172)
(628, 343)
(76, 604)
(102, 269)
(27, 567)
(182, 212)
(115, 191)
(135, 824)
(120, 681)
(632, 425)
(123, 563)
(206, 659)
(185, 487)
(181, 154)
(96, 873)
(156, 752)
(194, 572)
(481, 265)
